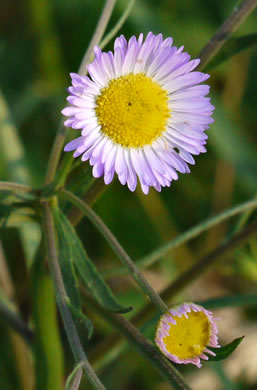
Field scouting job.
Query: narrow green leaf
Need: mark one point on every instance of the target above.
(224, 352)
(230, 301)
(5, 212)
(232, 47)
(88, 272)
(14, 157)
(74, 378)
(66, 260)
(83, 318)
(48, 351)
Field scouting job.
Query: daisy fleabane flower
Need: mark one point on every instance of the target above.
(141, 112)
(185, 332)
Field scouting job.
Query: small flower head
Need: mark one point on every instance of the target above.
(184, 332)
(142, 113)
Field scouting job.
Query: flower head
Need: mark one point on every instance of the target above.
(141, 112)
(184, 332)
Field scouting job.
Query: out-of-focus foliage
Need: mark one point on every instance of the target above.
(41, 41)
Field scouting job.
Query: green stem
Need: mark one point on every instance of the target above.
(118, 25)
(153, 257)
(237, 17)
(195, 271)
(200, 267)
(62, 131)
(98, 34)
(49, 354)
(61, 298)
(95, 190)
(143, 345)
(55, 154)
(206, 262)
(118, 249)
(74, 378)
(11, 186)
(243, 219)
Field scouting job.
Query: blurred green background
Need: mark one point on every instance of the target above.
(41, 42)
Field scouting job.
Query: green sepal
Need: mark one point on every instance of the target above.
(225, 351)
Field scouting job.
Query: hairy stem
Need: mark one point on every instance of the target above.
(195, 231)
(118, 249)
(98, 34)
(96, 189)
(143, 345)
(207, 261)
(16, 187)
(62, 131)
(115, 341)
(61, 298)
(118, 25)
(201, 266)
(237, 17)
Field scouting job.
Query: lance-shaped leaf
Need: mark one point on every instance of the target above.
(232, 47)
(230, 301)
(82, 317)
(224, 352)
(74, 378)
(14, 159)
(66, 259)
(88, 271)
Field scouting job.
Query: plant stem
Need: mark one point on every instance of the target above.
(207, 261)
(62, 131)
(238, 15)
(77, 380)
(118, 249)
(196, 270)
(143, 345)
(61, 298)
(200, 267)
(74, 378)
(195, 231)
(11, 186)
(98, 34)
(118, 25)
(216, 42)
(96, 189)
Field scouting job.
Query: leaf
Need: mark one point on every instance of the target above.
(230, 301)
(5, 212)
(88, 272)
(66, 260)
(83, 318)
(47, 345)
(74, 378)
(82, 180)
(224, 352)
(232, 47)
(14, 156)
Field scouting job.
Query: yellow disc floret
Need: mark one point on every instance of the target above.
(190, 336)
(132, 110)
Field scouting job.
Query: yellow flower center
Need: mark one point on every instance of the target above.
(132, 110)
(190, 336)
